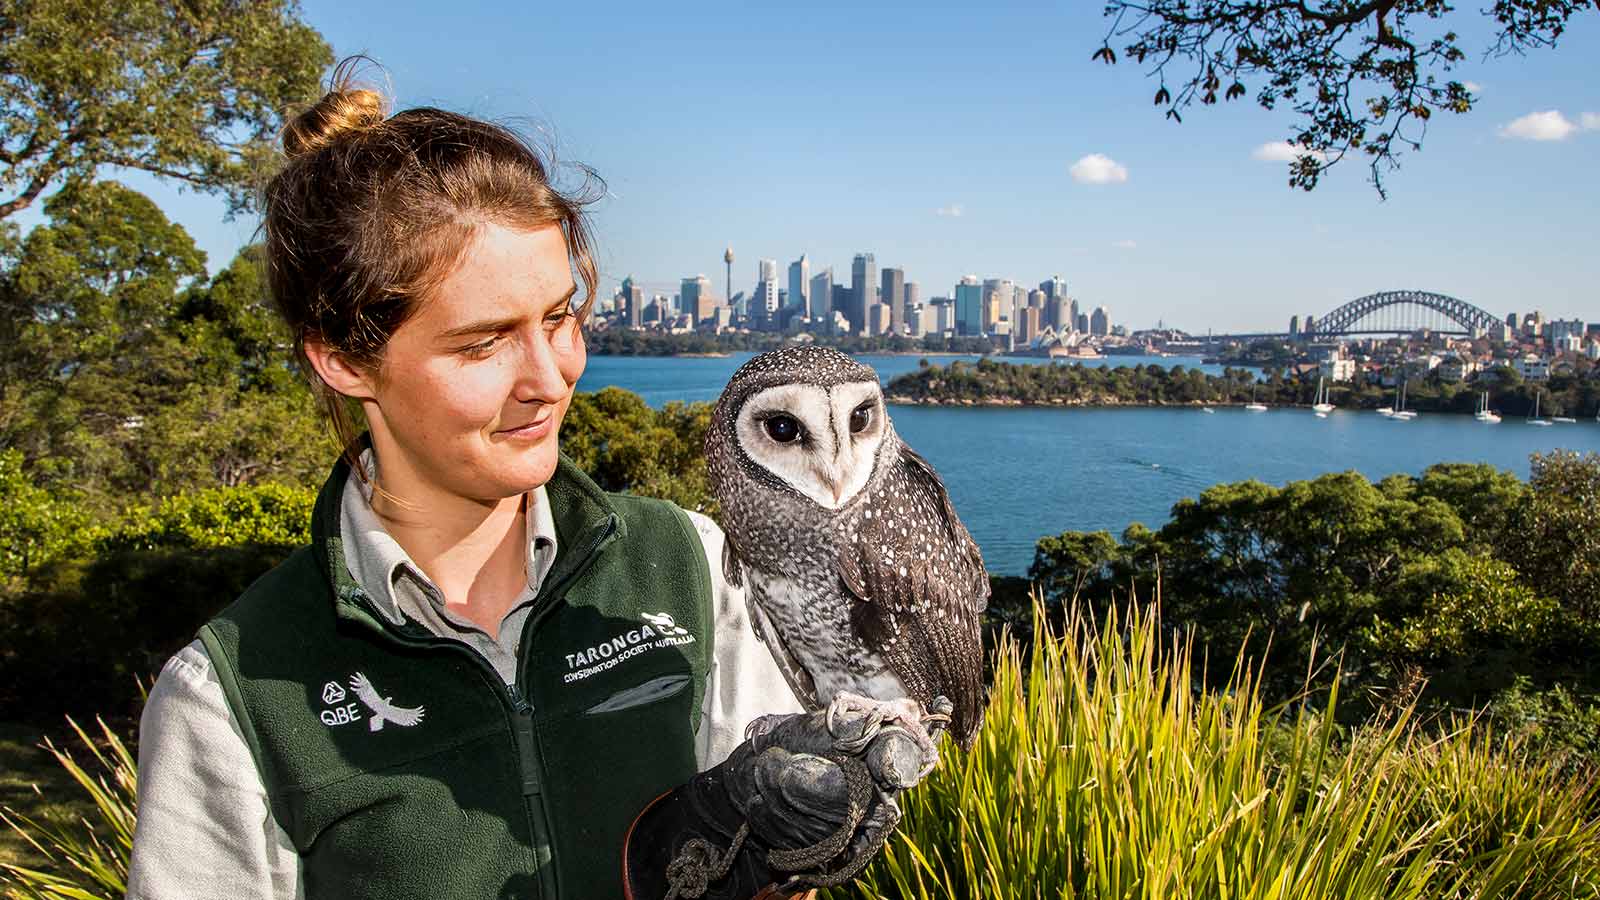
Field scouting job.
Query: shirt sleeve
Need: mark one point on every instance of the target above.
(204, 828)
(744, 682)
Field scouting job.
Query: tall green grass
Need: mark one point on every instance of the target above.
(1102, 771)
(87, 859)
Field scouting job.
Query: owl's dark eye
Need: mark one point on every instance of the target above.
(860, 418)
(782, 428)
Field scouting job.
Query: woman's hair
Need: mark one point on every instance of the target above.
(369, 213)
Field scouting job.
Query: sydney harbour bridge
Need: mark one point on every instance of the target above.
(1389, 313)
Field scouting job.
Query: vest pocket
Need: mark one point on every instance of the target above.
(655, 689)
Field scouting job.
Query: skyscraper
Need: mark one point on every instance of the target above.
(632, 303)
(1100, 321)
(764, 302)
(863, 287)
(822, 297)
(893, 295)
(969, 307)
(799, 286)
(913, 294)
(694, 296)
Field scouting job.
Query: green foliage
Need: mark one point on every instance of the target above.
(1553, 535)
(35, 527)
(1448, 590)
(624, 445)
(191, 91)
(88, 859)
(1362, 76)
(1102, 771)
(87, 624)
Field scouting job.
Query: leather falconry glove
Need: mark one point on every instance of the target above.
(806, 801)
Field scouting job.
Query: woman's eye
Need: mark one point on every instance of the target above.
(782, 429)
(482, 348)
(860, 418)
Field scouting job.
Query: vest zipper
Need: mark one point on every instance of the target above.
(530, 759)
(530, 763)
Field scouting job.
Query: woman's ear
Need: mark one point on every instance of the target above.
(337, 372)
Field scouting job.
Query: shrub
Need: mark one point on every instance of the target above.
(1102, 772)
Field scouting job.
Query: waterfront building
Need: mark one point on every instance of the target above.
(631, 297)
(1569, 343)
(1100, 321)
(1533, 367)
(1338, 368)
(969, 307)
(822, 297)
(913, 294)
(943, 315)
(799, 284)
(1075, 316)
(841, 302)
(916, 320)
(863, 290)
(1558, 330)
(1030, 322)
(1593, 352)
(723, 318)
(1081, 323)
(878, 319)
(764, 303)
(1003, 335)
(893, 295)
(694, 297)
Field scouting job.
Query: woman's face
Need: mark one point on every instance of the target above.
(469, 399)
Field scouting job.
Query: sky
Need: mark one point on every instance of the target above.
(956, 139)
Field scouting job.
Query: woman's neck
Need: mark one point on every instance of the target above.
(475, 552)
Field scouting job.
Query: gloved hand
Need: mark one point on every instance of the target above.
(805, 801)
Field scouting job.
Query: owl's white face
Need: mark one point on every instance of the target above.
(819, 441)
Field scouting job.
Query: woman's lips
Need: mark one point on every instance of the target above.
(532, 431)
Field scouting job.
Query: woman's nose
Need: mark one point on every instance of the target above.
(540, 376)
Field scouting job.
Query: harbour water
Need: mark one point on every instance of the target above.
(1017, 474)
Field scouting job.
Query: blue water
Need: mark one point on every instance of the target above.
(1016, 474)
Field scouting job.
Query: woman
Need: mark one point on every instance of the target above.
(485, 675)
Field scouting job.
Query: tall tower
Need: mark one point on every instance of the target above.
(863, 290)
(893, 292)
(727, 259)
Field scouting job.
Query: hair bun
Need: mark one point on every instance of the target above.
(340, 112)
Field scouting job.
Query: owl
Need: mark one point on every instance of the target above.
(860, 577)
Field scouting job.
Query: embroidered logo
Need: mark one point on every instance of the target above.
(382, 709)
(332, 693)
(659, 631)
(663, 623)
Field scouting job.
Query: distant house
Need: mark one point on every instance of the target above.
(1456, 369)
(1533, 367)
(1338, 369)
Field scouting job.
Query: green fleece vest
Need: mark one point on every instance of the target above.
(402, 766)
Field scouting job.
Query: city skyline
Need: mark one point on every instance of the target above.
(1058, 167)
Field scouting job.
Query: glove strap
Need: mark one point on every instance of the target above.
(698, 864)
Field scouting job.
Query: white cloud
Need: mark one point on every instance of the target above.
(954, 211)
(1472, 87)
(1283, 151)
(1549, 125)
(1589, 121)
(1124, 244)
(1097, 168)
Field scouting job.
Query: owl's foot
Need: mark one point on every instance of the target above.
(855, 722)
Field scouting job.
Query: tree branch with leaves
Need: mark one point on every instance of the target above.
(190, 90)
(1363, 77)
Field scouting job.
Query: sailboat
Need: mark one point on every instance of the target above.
(1400, 412)
(1388, 411)
(1483, 414)
(1253, 406)
(1321, 406)
(1534, 419)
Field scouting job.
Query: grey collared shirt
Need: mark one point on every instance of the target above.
(205, 827)
(403, 591)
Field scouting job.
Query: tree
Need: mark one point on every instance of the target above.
(188, 90)
(1362, 76)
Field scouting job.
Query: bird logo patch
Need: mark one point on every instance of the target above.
(380, 710)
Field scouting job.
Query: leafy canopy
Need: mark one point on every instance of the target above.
(1362, 76)
(191, 90)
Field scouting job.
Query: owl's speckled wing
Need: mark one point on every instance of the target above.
(920, 589)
